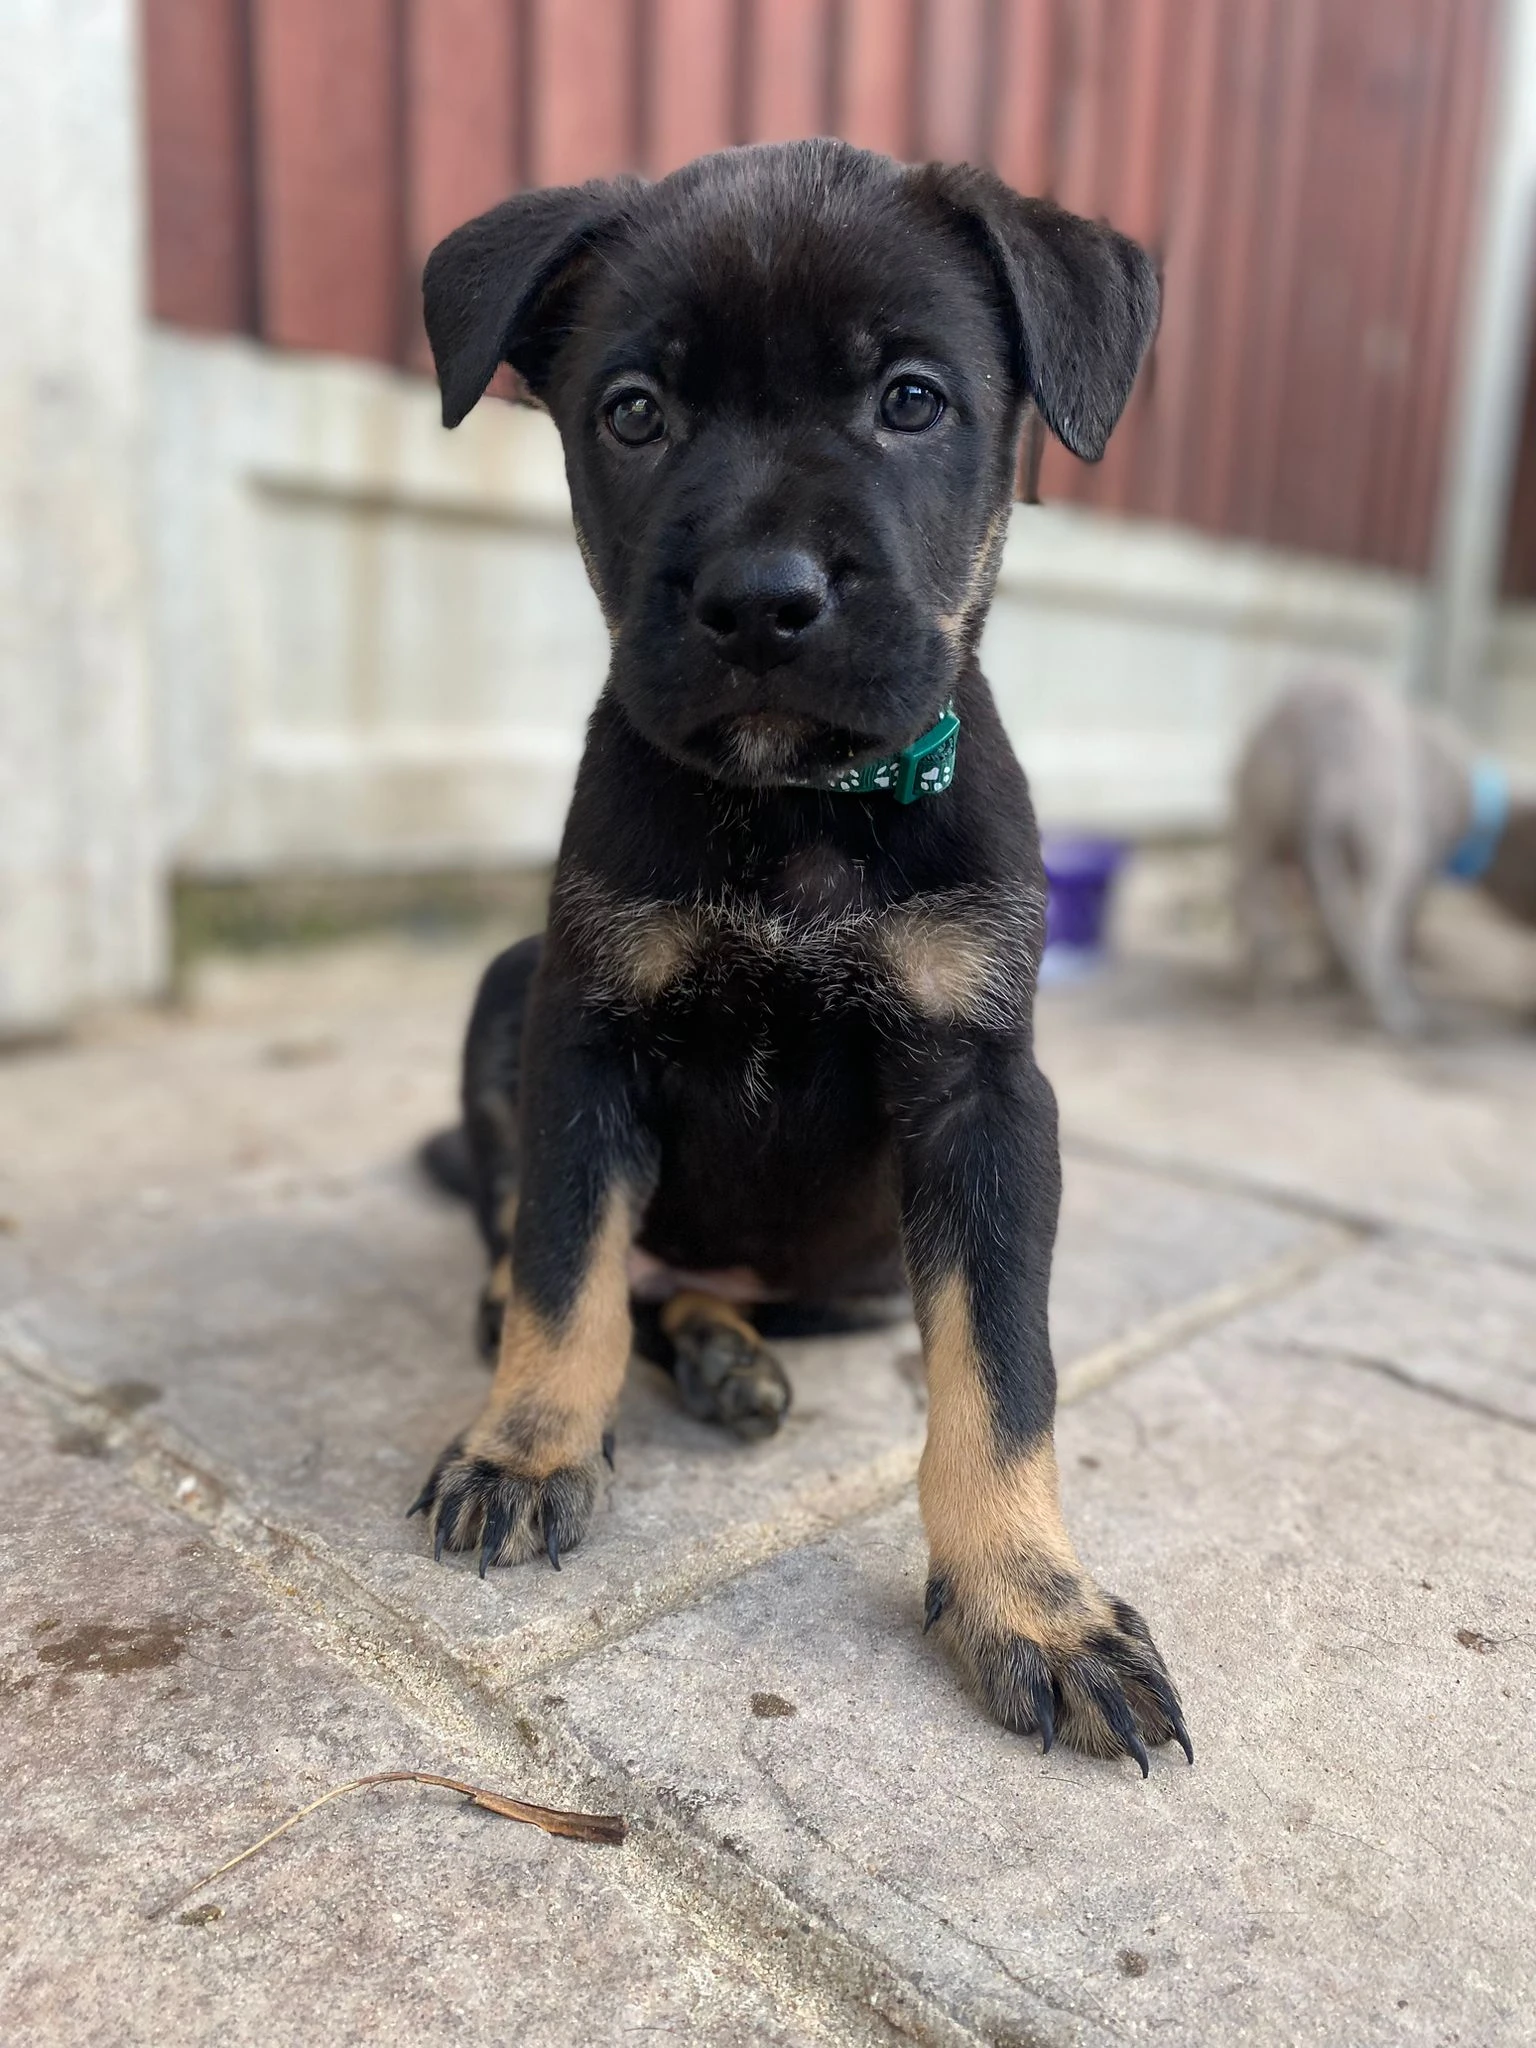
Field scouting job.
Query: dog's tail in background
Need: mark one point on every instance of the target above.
(444, 1159)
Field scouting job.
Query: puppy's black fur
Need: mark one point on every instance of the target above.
(771, 1026)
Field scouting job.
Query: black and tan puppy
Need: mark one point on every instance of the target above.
(779, 1027)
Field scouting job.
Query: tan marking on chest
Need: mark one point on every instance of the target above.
(945, 968)
(962, 959)
(958, 956)
(655, 953)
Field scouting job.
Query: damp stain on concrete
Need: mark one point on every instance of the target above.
(111, 1649)
(127, 1397)
(80, 1443)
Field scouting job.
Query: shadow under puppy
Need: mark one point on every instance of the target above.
(777, 1038)
(1368, 801)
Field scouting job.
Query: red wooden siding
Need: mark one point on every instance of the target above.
(201, 201)
(1304, 170)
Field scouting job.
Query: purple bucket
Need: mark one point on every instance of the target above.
(1079, 871)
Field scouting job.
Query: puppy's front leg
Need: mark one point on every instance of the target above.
(524, 1476)
(1045, 1648)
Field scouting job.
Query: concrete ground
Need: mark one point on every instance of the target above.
(1295, 1310)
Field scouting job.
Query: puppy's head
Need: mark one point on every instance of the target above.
(790, 382)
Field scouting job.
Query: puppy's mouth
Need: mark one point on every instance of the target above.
(767, 747)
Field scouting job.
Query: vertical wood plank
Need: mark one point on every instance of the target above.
(691, 85)
(951, 81)
(329, 175)
(198, 144)
(1459, 180)
(1078, 111)
(1237, 257)
(788, 69)
(460, 122)
(1187, 261)
(582, 99)
(1395, 352)
(1023, 147)
(1280, 209)
(461, 104)
(1081, 107)
(1137, 205)
(1357, 116)
(873, 92)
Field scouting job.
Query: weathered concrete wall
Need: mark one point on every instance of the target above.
(376, 646)
(80, 901)
(1129, 659)
(376, 642)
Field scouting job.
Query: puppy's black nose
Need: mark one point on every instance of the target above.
(759, 604)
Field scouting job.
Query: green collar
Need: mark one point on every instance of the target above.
(926, 768)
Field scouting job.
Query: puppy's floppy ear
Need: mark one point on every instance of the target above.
(1085, 300)
(487, 286)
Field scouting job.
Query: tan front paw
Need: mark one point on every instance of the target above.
(488, 1500)
(1048, 1653)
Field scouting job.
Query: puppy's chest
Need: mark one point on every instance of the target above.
(806, 946)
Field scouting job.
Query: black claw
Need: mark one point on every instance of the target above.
(1161, 1688)
(1113, 1705)
(935, 1601)
(493, 1532)
(422, 1501)
(552, 1545)
(439, 1538)
(1042, 1705)
(608, 1448)
(1181, 1735)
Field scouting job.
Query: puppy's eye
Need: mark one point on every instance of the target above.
(910, 405)
(634, 418)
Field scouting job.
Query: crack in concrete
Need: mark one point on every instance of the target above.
(1366, 1223)
(1201, 1312)
(1389, 1368)
(804, 1823)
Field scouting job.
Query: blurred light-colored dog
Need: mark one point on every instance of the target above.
(1368, 801)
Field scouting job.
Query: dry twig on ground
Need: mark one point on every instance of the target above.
(604, 1828)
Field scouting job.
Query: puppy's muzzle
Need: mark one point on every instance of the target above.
(761, 606)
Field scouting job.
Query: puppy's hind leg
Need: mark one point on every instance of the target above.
(491, 1088)
(724, 1371)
